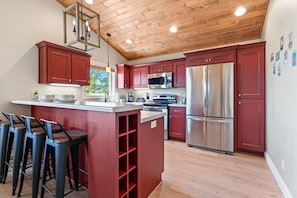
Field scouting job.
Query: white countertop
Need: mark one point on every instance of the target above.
(146, 116)
(177, 105)
(83, 105)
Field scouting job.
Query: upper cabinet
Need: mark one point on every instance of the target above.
(251, 76)
(161, 67)
(179, 73)
(59, 64)
(138, 77)
(214, 56)
(123, 76)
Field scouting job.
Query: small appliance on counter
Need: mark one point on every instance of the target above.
(130, 97)
(140, 99)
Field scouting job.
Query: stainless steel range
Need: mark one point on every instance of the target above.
(160, 104)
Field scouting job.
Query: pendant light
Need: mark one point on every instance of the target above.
(83, 19)
(108, 67)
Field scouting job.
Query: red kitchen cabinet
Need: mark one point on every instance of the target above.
(138, 77)
(251, 129)
(123, 76)
(59, 64)
(250, 98)
(214, 56)
(251, 66)
(150, 156)
(177, 123)
(179, 74)
(80, 70)
(161, 67)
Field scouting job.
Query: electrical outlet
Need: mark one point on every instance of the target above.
(283, 164)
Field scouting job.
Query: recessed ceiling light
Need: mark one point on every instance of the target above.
(89, 1)
(240, 11)
(128, 41)
(173, 29)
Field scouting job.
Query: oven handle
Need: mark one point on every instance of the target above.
(152, 107)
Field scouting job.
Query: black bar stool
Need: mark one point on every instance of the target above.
(16, 137)
(61, 142)
(4, 127)
(34, 140)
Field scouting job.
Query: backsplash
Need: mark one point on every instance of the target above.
(180, 92)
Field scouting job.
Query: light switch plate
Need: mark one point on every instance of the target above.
(153, 124)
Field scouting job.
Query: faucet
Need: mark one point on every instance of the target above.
(105, 95)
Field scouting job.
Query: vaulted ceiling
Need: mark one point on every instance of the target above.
(200, 23)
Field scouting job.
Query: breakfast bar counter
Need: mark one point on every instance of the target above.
(118, 144)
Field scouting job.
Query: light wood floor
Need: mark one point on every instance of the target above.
(191, 172)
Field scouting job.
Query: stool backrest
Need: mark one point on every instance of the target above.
(13, 119)
(28, 123)
(49, 129)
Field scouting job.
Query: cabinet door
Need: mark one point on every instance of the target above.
(59, 66)
(123, 76)
(80, 69)
(143, 77)
(161, 67)
(135, 77)
(222, 55)
(251, 72)
(179, 72)
(251, 125)
(155, 69)
(177, 123)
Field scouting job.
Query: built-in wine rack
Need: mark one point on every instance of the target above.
(127, 155)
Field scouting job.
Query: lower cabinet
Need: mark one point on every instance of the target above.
(150, 156)
(177, 123)
(251, 126)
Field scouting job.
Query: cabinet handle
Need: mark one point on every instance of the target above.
(239, 102)
(239, 94)
(69, 80)
(209, 60)
(206, 60)
(176, 110)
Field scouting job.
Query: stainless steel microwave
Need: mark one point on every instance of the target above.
(160, 80)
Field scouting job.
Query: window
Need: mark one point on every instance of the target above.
(100, 82)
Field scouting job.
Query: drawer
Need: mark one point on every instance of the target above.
(177, 110)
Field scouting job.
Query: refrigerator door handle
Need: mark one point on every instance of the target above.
(209, 119)
(205, 90)
(208, 88)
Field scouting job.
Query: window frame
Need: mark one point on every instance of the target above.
(101, 96)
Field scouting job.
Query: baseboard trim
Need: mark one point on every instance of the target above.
(283, 187)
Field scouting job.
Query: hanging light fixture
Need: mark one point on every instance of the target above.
(108, 67)
(83, 19)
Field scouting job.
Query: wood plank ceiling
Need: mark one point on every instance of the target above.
(200, 23)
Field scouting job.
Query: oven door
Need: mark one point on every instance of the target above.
(160, 109)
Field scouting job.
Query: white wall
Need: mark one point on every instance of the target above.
(23, 24)
(281, 94)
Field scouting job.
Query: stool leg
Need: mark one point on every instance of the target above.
(7, 156)
(45, 168)
(74, 159)
(61, 162)
(18, 150)
(38, 142)
(3, 146)
(24, 163)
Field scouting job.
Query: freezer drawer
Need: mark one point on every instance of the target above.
(211, 133)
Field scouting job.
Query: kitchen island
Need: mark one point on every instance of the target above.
(122, 144)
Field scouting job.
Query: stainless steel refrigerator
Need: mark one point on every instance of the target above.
(210, 113)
